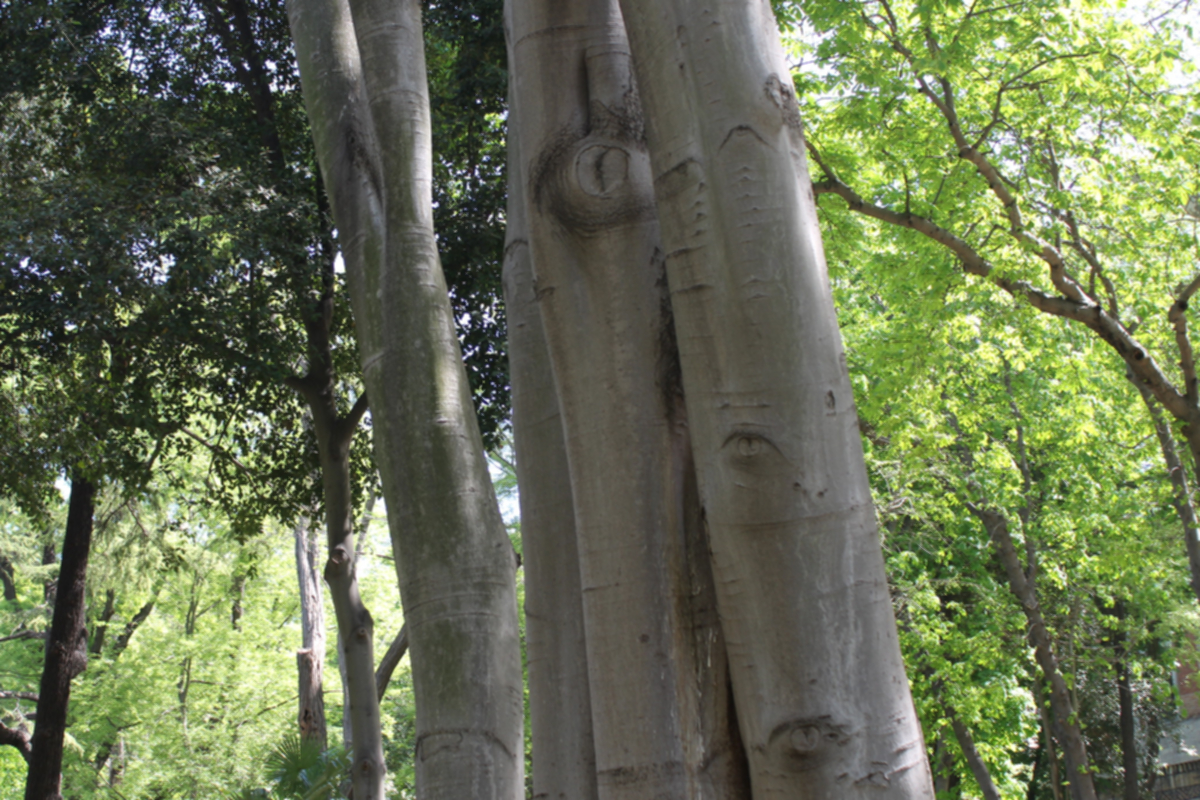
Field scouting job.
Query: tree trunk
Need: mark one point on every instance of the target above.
(110, 608)
(134, 623)
(49, 559)
(1181, 497)
(365, 91)
(560, 708)
(822, 696)
(236, 611)
(66, 649)
(1065, 725)
(7, 578)
(966, 742)
(355, 624)
(1129, 755)
(1127, 724)
(310, 659)
(660, 704)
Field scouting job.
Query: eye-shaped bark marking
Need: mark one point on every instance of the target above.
(602, 169)
(595, 182)
(750, 452)
(805, 744)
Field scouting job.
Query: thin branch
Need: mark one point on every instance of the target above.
(7, 695)
(218, 450)
(1087, 311)
(387, 665)
(1178, 319)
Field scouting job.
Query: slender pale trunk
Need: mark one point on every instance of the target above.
(1064, 721)
(365, 90)
(822, 697)
(560, 710)
(66, 647)
(660, 706)
(310, 659)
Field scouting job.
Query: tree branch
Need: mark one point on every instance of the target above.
(387, 665)
(18, 738)
(218, 450)
(1178, 319)
(361, 406)
(1087, 311)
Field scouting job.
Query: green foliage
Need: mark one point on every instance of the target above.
(301, 770)
(468, 96)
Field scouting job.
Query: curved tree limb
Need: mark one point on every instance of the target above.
(18, 738)
(387, 665)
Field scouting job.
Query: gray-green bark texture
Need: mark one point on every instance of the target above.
(821, 693)
(560, 709)
(363, 74)
(660, 705)
(676, 356)
(310, 658)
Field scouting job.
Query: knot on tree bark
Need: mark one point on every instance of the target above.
(599, 178)
(805, 744)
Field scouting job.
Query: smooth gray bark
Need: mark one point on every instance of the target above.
(560, 709)
(365, 90)
(310, 659)
(660, 705)
(822, 696)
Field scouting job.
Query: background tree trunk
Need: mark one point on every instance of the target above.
(983, 777)
(822, 696)
(66, 649)
(310, 659)
(7, 578)
(366, 94)
(1064, 721)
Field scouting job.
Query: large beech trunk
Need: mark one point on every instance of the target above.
(822, 697)
(560, 708)
(660, 707)
(363, 76)
(66, 649)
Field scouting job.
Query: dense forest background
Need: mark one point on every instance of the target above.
(974, 163)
